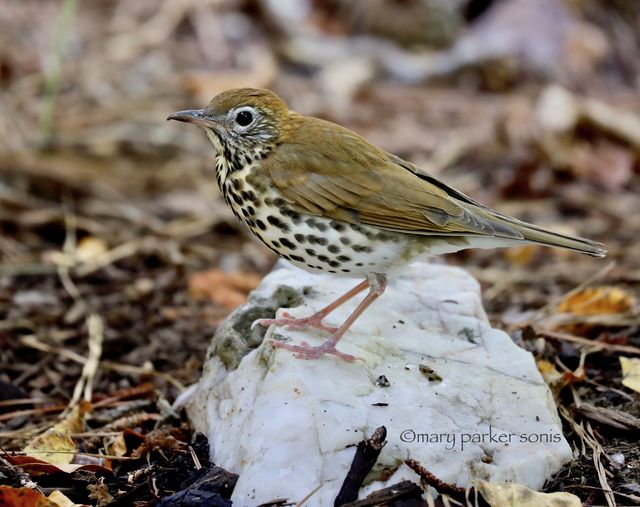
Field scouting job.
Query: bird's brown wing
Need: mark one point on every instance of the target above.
(328, 170)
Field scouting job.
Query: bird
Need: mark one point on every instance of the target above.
(325, 199)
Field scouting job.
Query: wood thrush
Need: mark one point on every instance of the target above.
(325, 199)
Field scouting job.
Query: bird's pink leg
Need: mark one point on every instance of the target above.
(315, 320)
(377, 284)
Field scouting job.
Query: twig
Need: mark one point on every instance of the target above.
(365, 457)
(309, 495)
(85, 383)
(588, 439)
(433, 481)
(627, 349)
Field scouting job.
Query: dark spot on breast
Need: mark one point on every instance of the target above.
(245, 212)
(310, 266)
(359, 264)
(361, 248)
(261, 225)
(237, 184)
(346, 270)
(275, 244)
(297, 258)
(300, 238)
(268, 201)
(316, 240)
(345, 241)
(332, 271)
(334, 264)
(278, 202)
(343, 258)
(310, 222)
(321, 227)
(237, 199)
(288, 212)
(290, 245)
(323, 258)
(276, 222)
(333, 248)
(284, 256)
(310, 251)
(338, 226)
(251, 210)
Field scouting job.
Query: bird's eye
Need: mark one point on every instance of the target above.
(244, 118)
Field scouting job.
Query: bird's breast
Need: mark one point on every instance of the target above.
(314, 243)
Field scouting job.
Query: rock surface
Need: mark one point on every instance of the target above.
(453, 393)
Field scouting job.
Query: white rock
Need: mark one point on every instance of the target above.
(287, 426)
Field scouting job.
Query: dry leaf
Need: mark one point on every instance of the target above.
(521, 255)
(34, 466)
(55, 445)
(115, 445)
(226, 289)
(61, 500)
(597, 301)
(23, 497)
(630, 372)
(507, 494)
(549, 372)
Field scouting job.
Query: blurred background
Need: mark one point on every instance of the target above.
(530, 106)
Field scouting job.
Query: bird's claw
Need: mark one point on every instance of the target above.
(306, 351)
(315, 321)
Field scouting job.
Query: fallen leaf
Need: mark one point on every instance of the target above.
(34, 466)
(55, 445)
(23, 497)
(226, 289)
(630, 372)
(521, 255)
(507, 494)
(61, 500)
(597, 301)
(550, 374)
(115, 445)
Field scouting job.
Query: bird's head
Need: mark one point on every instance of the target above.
(240, 122)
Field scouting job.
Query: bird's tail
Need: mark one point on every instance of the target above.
(534, 234)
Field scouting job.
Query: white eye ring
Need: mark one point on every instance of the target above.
(244, 117)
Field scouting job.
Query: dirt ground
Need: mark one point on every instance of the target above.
(116, 246)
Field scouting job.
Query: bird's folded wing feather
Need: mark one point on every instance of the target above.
(333, 172)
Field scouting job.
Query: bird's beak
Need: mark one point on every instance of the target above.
(195, 116)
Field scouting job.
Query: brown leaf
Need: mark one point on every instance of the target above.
(55, 445)
(226, 289)
(23, 497)
(34, 466)
(521, 255)
(598, 301)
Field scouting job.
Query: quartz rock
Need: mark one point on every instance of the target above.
(453, 393)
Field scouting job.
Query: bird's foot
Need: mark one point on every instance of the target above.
(314, 321)
(306, 351)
